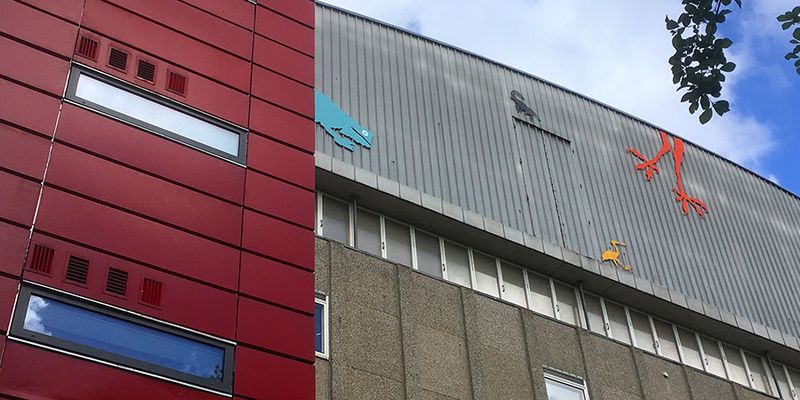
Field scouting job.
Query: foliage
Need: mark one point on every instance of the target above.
(789, 19)
(699, 64)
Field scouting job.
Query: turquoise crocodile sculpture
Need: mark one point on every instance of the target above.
(346, 132)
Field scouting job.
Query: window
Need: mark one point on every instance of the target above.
(513, 287)
(485, 274)
(154, 113)
(712, 356)
(690, 349)
(335, 222)
(736, 369)
(566, 304)
(794, 377)
(457, 264)
(87, 328)
(321, 326)
(429, 253)
(541, 294)
(617, 322)
(398, 242)
(759, 379)
(368, 232)
(642, 331)
(594, 313)
(562, 387)
(665, 341)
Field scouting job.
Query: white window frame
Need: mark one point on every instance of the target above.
(323, 299)
(350, 218)
(567, 380)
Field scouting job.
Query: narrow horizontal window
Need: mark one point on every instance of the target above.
(89, 329)
(154, 113)
(321, 326)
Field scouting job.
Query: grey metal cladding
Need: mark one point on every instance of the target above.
(443, 125)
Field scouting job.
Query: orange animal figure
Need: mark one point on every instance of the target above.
(649, 166)
(613, 255)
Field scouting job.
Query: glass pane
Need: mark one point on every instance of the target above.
(513, 285)
(567, 303)
(429, 259)
(335, 220)
(120, 337)
(457, 262)
(691, 351)
(618, 322)
(758, 373)
(713, 359)
(560, 391)
(666, 340)
(155, 114)
(595, 314)
(485, 274)
(540, 295)
(641, 328)
(368, 232)
(736, 365)
(795, 378)
(398, 242)
(783, 383)
(319, 339)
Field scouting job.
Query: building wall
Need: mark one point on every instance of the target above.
(231, 244)
(398, 334)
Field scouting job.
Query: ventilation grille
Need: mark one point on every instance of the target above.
(77, 270)
(87, 47)
(146, 71)
(151, 292)
(41, 259)
(118, 59)
(176, 83)
(117, 281)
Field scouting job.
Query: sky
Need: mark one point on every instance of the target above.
(616, 51)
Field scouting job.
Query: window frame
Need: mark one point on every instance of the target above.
(19, 333)
(70, 96)
(566, 380)
(324, 300)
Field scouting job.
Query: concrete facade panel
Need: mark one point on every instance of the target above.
(610, 368)
(661, 379)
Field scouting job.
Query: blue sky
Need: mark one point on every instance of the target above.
(616, 51)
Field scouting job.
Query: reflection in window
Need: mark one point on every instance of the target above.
(666, 340)
(736, 370)
(398, 242)
(713, 360)
(485, 274)
(783, 383)
(690, 348)
(513, 285)
(457, 262)
(594, 313)
(563, 388)
(567, 303)
(429, 258)
(368, 232)
(618, 322)
(641, 328)
(758, 373)
(335, 220)
(541, 295)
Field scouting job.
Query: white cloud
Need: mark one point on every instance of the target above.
(614, 51)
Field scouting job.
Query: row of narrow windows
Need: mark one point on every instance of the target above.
(443, 258)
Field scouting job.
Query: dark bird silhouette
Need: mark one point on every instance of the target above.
(519, 101)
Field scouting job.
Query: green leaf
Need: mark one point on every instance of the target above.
(704, 102)
(728, 67)
(706, 116)
(721, 107)
(739, 3)
(797, 63)
(790, 56)
(724, 43)
(677, 42)
(796, 10)
(796, 34)
(786, 25)
(794, 41)
(693, 107)
(671, 24)
(787, 16)
(711, 28)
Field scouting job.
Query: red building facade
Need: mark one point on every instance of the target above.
(144, 220)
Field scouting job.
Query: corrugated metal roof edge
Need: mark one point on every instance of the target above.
(487, 59)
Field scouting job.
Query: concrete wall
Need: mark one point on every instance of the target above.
(399, 334)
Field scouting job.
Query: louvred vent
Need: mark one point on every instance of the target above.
(176, 83)
(117, 281)
(151, 292)
(77, 270)
(146, 71)
(87, 47)
(118, 59)
(41, 259)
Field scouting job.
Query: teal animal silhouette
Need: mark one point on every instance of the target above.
(346, 132)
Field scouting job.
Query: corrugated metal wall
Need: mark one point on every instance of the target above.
(444, 125)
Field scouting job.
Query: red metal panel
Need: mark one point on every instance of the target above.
(301, 10)
(238, 12)
(162, 42)
(8, 293)
(127, 235)
(13, 243)
(23, 152)
(284, 60)
(151, 153)
(28, 108)
(18, 20)
(67, 9)
(282, 125)
(184, 302)
(266, 376)
(18, 198)
(276, 329)
(144, 194)
(278, 239)
(281, 161)
(285, 30)
(279, 199)
(195, 23)
(33, 67)
(33, 373)
(277, 282)
(283, 91)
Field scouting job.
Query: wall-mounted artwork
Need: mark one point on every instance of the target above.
(344, 130)
(614, 255)
(523, 108)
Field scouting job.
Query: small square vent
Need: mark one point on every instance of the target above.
(77, 270)
(118, 59)
(176, 83)
(117, 281)
(146, 71)
(41, 259)
(151, 292)
(87, 47)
